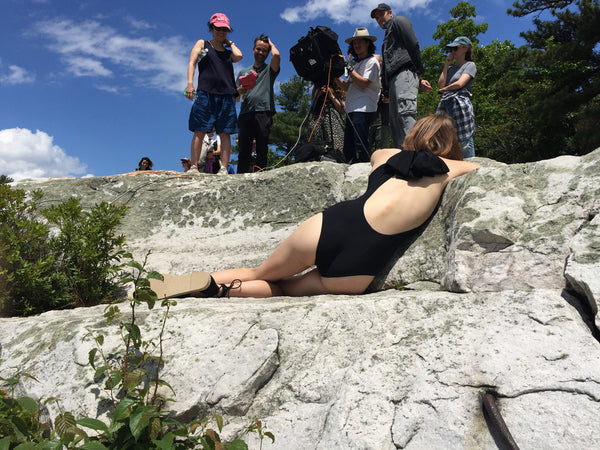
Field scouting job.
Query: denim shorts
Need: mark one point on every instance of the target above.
(213, 110)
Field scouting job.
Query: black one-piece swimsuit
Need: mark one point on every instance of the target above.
(348, 245)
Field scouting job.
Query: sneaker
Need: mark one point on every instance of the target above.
(193, 169)
(222, 171)
(181, 285)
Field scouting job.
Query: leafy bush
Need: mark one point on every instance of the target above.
(56, 257)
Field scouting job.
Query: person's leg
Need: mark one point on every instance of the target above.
(362, 122)
(225, 149)
(349, 140)
(225, 125)
(200, 119)
(263, 121)
(404, 88)
(312, 283)
(196, 149)
(468, 148)
(245, 137)
(294, 255)
(384, 136)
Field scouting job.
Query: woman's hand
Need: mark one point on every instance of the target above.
(190, 92)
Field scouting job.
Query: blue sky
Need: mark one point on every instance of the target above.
(88, 87)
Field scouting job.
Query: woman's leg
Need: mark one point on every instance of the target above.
(294, 255)
(196, 147)
(225, 149)
(312, 283)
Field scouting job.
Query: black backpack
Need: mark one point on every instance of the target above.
(314, 53)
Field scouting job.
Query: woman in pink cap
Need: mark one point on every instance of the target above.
(215, 95)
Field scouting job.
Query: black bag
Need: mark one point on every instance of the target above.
(315, 52)
(317, 151)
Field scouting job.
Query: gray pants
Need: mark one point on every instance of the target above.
(404, 87)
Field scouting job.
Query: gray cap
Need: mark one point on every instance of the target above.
(461, 40)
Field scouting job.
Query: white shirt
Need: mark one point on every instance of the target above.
(364, 100)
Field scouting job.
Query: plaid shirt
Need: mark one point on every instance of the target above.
(458, 105)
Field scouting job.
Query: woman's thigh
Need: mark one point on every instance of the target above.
(312, 283)
(295, 254)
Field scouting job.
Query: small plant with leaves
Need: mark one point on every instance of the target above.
(20, 421)
(134, 386)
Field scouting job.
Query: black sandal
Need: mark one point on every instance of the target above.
(224, 289)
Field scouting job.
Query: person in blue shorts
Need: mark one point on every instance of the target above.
(215, 95)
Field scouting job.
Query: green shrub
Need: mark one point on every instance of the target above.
(56, 257)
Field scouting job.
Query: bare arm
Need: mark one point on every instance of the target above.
(275, 57)
(458, 84)
(189, 90)
(236, 53)
(458, 168)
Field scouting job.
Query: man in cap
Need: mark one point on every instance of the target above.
(258, 104)
(402, 70)
(362, 93)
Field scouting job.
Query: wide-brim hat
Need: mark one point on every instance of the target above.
(461, 40)
(220, 20)
(380, 7)
(361, 33)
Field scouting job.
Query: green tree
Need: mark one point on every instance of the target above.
(559, 92)
(294, 103)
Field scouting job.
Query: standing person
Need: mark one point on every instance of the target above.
(455, 86)
(215, 96)
(402, 70)
(258, 105)
(326, 119)
(379, 131)
(362, 93)
(209, 142)
(352, 241)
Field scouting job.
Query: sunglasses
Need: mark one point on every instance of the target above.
(221, 28)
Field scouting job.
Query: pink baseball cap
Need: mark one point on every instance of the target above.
(220, 20)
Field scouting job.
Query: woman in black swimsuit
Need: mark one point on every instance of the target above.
(351, 241)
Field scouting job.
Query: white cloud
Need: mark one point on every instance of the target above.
(16, 75)
(357, 12)
(86, 67)
(24, 154)
(92, 49)
(138, 24)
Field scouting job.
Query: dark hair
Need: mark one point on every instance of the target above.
(263, 38)
(211, 27)
(370, 48)
(469, 55)
(150, 163)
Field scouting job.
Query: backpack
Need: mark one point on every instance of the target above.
(317, 151)
(313, 53)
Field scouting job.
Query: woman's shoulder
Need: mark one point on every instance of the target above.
(408, 164)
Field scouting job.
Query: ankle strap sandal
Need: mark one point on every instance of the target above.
(224, 289)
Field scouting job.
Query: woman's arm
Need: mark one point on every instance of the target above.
(458, 84)
(442, 80)
(458, 168)
(236, 53)
(189, 90)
